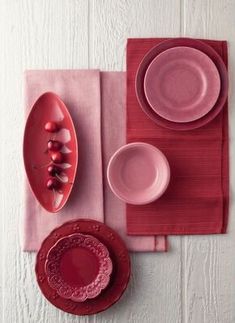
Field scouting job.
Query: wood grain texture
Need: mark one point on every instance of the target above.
(114, 21)
(34, 34)
(209, 262)
(194, 281)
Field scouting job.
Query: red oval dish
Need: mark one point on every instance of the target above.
(78, 267)
(119, 278)
(171, 43)
(49, 108)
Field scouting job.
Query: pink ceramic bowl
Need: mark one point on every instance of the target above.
(138, 173)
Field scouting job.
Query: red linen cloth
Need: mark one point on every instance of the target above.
(196, 201)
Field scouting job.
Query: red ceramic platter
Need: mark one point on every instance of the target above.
(50, 108)
(78, 267)
(182, 84)
(186, 42)
(118, 254)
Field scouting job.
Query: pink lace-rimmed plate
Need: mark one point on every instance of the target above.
(78, 267)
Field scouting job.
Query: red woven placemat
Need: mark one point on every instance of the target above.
(196, 201)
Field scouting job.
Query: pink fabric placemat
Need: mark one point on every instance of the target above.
(113, 85)
(196, 201)
(81, 92)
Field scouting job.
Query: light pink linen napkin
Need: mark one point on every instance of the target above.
(81, 91)
(113, 98)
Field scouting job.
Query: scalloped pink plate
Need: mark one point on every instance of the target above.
(138, 173)
(78, 267)
(182, 84)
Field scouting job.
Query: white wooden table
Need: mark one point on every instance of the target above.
(195, 280)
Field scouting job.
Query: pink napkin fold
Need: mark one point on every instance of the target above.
(87, 94)
(113, 90)
(80, 91)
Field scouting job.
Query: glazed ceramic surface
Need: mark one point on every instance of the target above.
(182, 84)
(117, 252)
(172, 43)
(78, 267)
(50, 108)
(138, 173)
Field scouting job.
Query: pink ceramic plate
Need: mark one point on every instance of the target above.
(78, 267)
(182, 84)
(138, 173)
(163, 46)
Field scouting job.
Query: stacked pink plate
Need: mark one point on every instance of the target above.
(182, 84)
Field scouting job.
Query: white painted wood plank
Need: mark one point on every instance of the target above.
(155, 291)
(34, 34)
(115, 21)
(209, 261)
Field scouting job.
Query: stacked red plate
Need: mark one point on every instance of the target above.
(182, 84)
(83, 267)
(78, 267)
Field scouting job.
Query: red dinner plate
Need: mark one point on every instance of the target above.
(50, 151)
(171, 43)
(182, 84)
(119, 278)
(78, 267)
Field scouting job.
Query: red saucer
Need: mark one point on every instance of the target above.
(119, 277)
(78, 267)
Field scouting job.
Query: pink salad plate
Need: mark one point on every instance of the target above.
(138, 173)
(162, 47)
(117, 252)
(182, 84)
(56, 165)
(78, 267)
